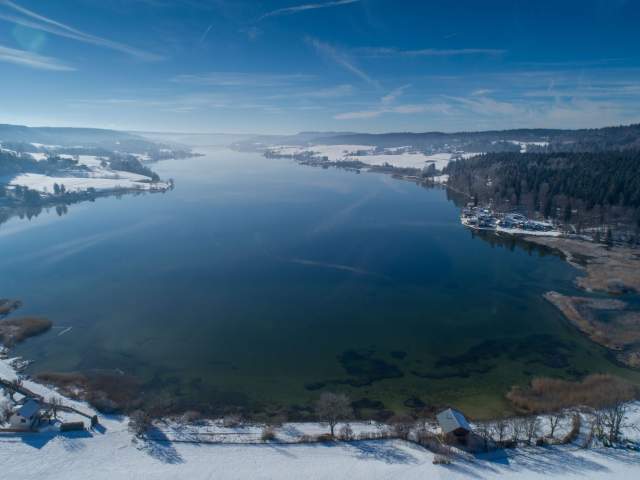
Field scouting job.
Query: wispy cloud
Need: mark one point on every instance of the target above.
(337, 91)
(341, 59)
(387, 105)
(406, 109)
(32, 60)
(241, 79)
(203, 37)
(488, 106)
(305, 8)
(393, 95)
(19, 15)
(426, 52)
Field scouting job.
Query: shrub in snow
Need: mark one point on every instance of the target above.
(268, 434)
(190, 416)
(5, 409)
(346, 433)
(442, 460)
(401, 426)
(139, 422)
(231, 421)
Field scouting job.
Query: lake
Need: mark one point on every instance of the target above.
(260, 283)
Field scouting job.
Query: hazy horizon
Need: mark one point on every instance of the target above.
(215, 66)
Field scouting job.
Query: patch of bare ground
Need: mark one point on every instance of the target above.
(547, 395)
(15, 330)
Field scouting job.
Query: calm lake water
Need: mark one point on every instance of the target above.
(259, 282)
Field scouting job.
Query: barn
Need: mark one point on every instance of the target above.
(26, 416)
(453, 423)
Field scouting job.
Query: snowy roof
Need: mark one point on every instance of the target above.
(451, 420)
(29, 408)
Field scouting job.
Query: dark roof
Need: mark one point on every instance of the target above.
(451, 420)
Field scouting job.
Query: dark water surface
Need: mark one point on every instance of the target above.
(261, 282)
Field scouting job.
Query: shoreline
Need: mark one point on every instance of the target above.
(614, 271)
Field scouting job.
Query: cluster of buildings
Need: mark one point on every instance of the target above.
(483, 218)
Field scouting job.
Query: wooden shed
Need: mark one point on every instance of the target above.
(453, 422)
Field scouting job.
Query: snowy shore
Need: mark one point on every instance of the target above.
(208, 449)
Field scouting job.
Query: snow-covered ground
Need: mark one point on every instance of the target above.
(334, 153)
(111, 455)
(399, 157)
(112, 181)
(95, 176)
(406, 160)
(525, 145)
(177, 452)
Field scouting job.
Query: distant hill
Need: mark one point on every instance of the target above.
(541, 140)
(72, 137)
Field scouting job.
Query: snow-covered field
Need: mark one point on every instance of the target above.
(97, 177)
(399, 157)
(111, 452)
(112, 181)
(334, 153)
(525, 145)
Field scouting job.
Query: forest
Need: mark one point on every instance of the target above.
(584, 188)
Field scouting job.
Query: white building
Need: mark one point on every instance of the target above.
(26, 416)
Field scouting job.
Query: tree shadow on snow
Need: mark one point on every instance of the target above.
(387, 452)
(160, 447)
(542, 461)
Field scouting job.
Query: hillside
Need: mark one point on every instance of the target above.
(601, 139)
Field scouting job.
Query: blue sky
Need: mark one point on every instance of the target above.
(290, 65)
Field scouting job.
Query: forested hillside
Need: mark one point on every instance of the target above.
(584, 187)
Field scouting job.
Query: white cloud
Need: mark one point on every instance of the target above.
(31, 19)
(305, 7)
(31, 60)
(341, 59)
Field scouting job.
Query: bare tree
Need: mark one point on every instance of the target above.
(531, 428)
(5, 409)
(139, 422)
(332, 408)
(613, 420)
(499, 429)
(518, 428)
(401, 425)
(55, 403)
(554, 421)
(484, 430)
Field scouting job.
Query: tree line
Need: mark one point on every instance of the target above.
(555, 184)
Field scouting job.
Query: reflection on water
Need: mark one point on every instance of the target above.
(258, 282)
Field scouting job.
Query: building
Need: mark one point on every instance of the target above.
(26, 416)
(453, 423)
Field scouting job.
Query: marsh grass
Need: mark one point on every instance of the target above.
(15, 330)
(551, 395)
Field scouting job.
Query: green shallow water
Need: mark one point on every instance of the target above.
(259, 282)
